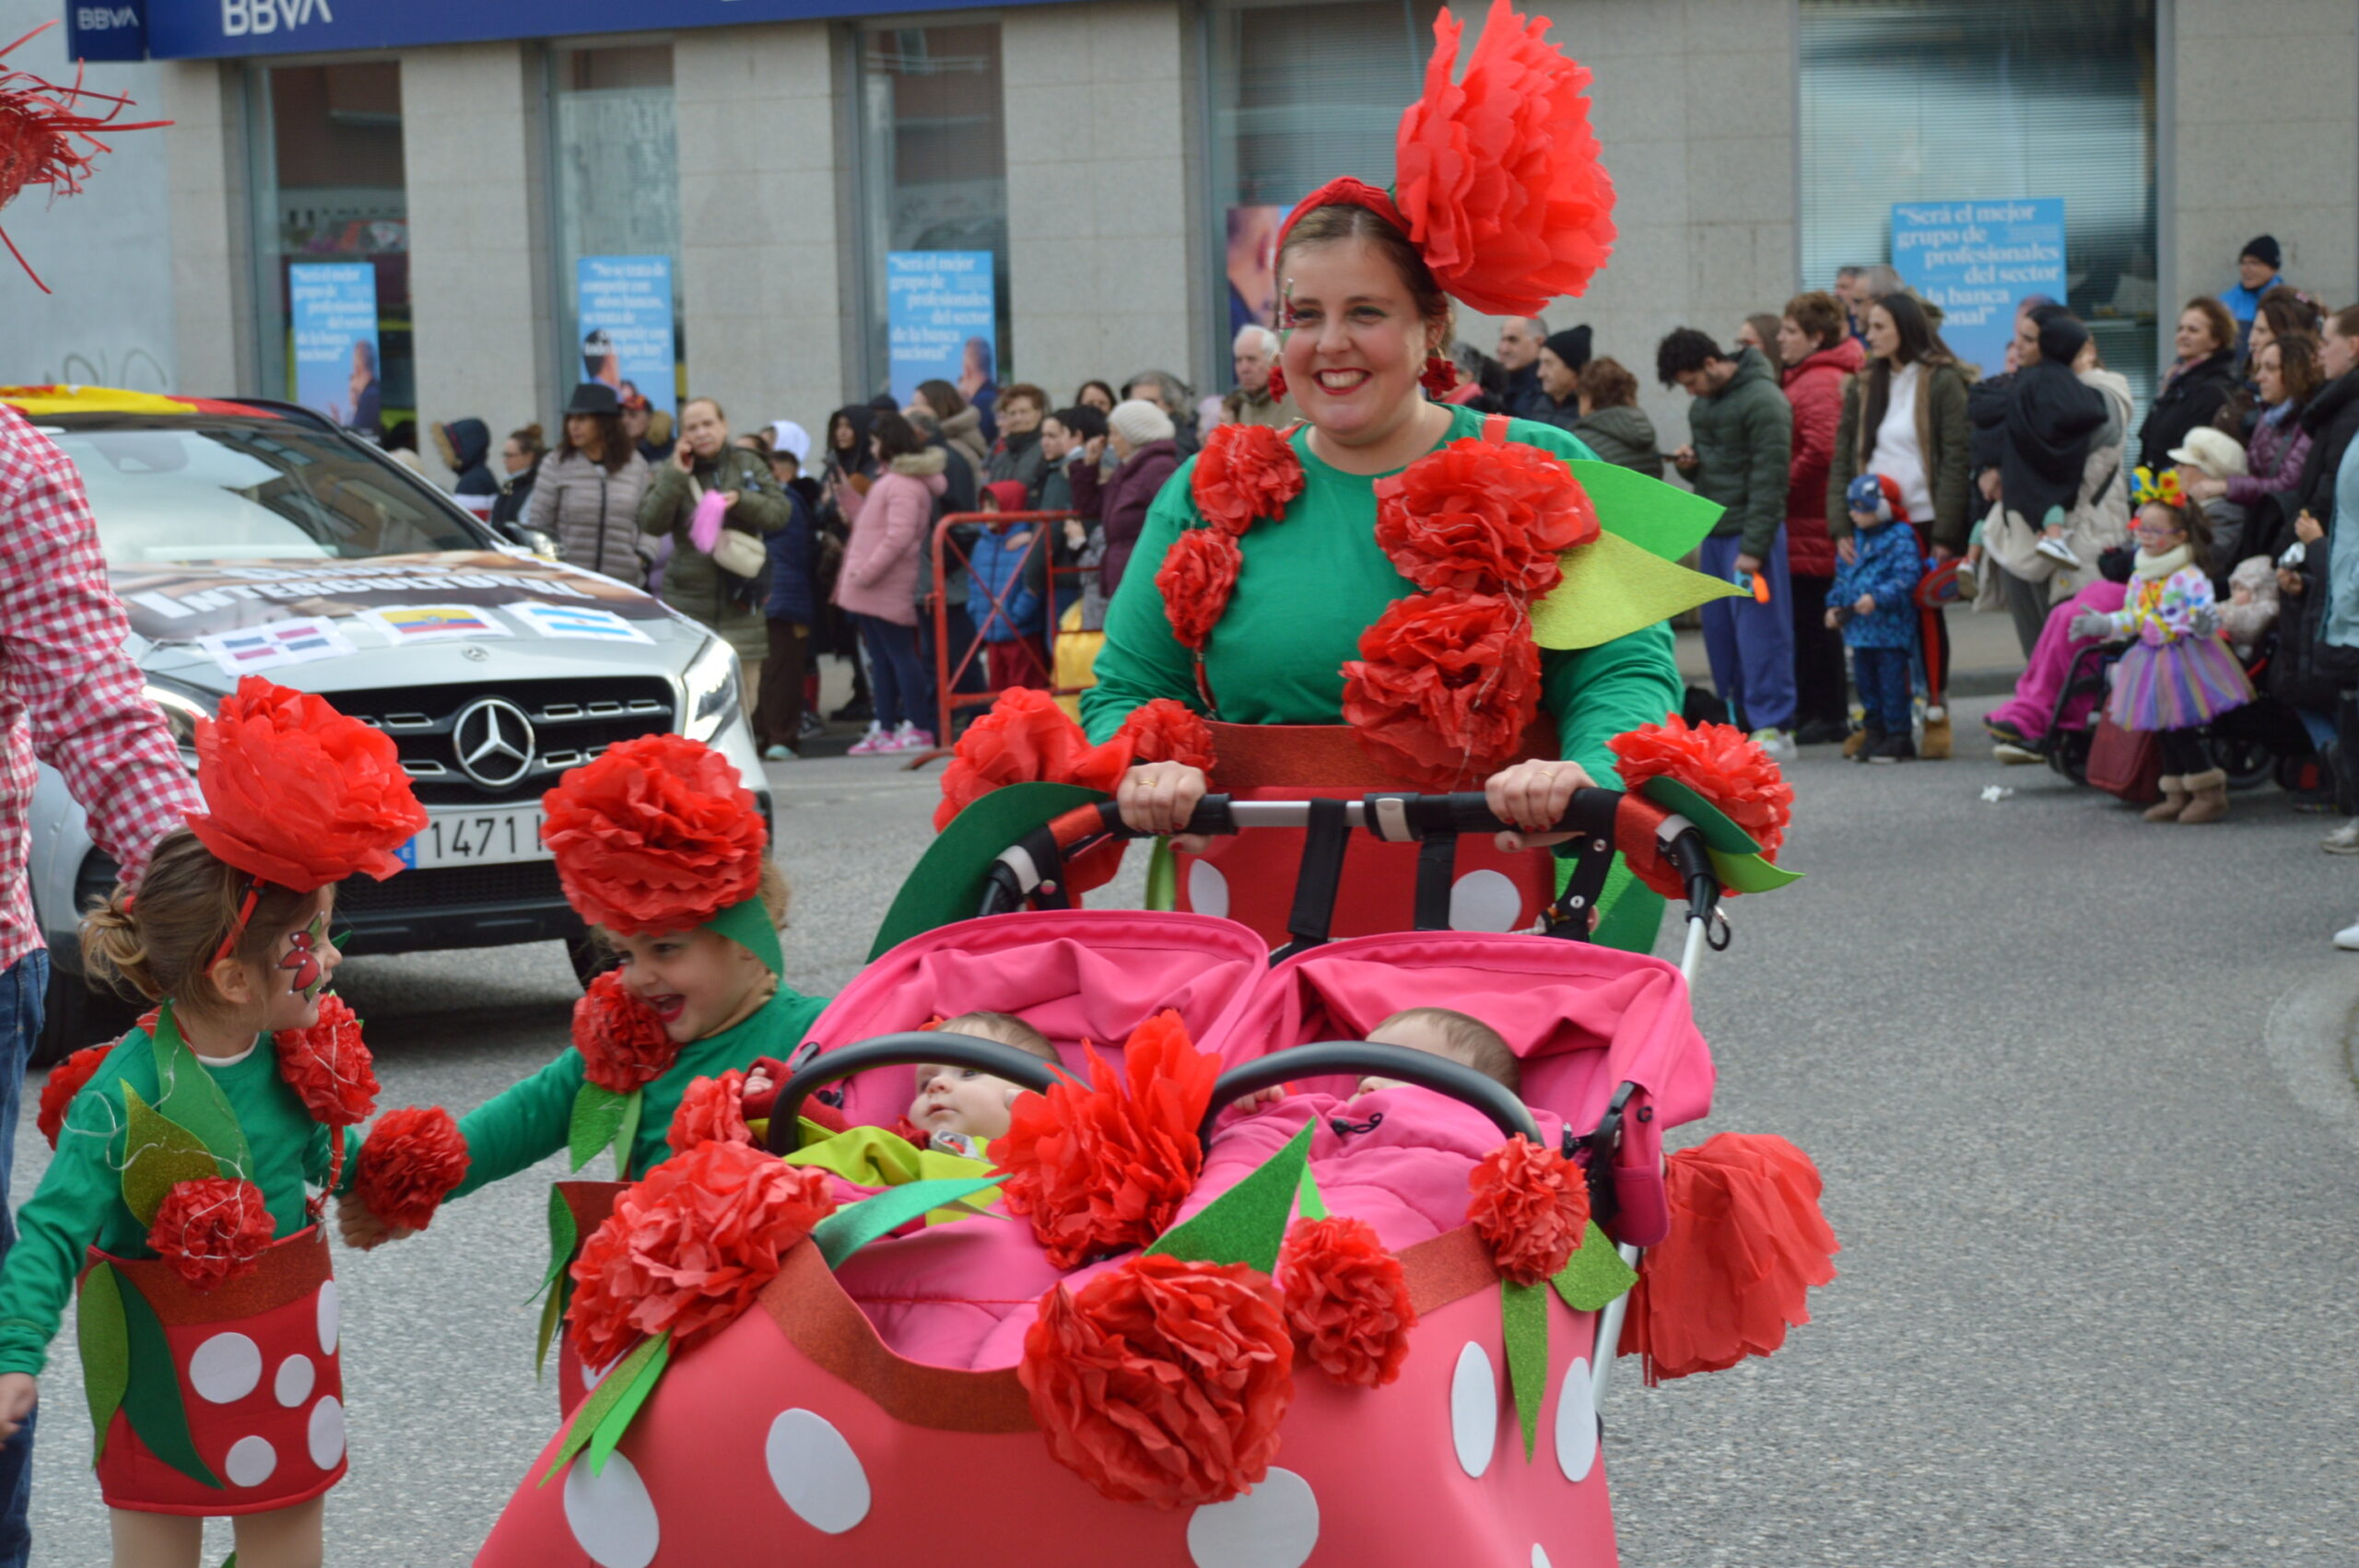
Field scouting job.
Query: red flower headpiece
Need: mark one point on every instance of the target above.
(299, 794)
(47, 136)
(1720, 763)
(1498, 182)
(656, 835)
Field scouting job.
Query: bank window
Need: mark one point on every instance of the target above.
(1989, 100)
(616, 194)
(332, 241)
(933, 200)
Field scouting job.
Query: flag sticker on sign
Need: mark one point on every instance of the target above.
(577, 621)
(433, 623)
(267, 647)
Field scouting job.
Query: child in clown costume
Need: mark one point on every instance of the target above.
(187, 1152)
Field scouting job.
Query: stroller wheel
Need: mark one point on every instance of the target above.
(2067, 754)
(2247, 761)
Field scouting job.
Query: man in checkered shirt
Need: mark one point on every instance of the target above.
(69, 697)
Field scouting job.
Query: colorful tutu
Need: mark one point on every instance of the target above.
(2176, 685)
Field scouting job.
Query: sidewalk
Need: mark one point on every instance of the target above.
(1984, 659)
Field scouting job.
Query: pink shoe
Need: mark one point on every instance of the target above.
(872, 743)
(909, 738)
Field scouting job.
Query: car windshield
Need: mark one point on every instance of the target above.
(193, 489)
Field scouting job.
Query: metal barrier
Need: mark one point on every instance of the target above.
(950, 665)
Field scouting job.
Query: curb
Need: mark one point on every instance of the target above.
(2308, 1038)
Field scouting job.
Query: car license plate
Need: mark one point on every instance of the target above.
(499, 836)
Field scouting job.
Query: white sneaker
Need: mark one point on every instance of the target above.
(872, 743)
(2343, 840)
(2347, 939)
(2055, 549)
(2014, 755)
(1776, 745)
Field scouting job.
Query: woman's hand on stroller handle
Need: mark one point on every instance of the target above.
(1157, 798)
(1533, 798)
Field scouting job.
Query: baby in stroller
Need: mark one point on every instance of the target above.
(1453, 1035)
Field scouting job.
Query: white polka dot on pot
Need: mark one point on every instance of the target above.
(816, 1472)
(611, 1516)
(1207, 890)
(1274, 1526)
(249, 1462)
(1474, 1409)
(297, 1378)
(325, 1432)
(1575, 1423)
(331, 1319)
(1486, 900)
(225, 1368)
(1540, 1557)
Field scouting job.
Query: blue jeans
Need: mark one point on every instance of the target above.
(1752, 645)
(897, 677)
(23, 986)
(1884, 678)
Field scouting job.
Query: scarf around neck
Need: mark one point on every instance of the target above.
(2155, 569)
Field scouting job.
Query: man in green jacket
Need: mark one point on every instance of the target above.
(1744, 434)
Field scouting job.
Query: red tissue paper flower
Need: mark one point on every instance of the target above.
(211, 1230)
(1747, 1242)
(1346, 1301)
(1104, 1168)
(1168, 730)
(657, 834)
(1025, 739)
(1531, 1205)
(689, 1245)
(1486, 516)
(1720, 763)
(299, 794)
(1163, 1381)
(47, 136)
(621, 1040)
(64, 1081)
(711, 1111)
(412, 1158)
(328, 1066)
(1445, 686)
(1245, 473)
(1198, 575)
(1497, 172)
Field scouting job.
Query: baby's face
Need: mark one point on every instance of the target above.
(962, 1100)
(1413, 1034)
(2240, 594)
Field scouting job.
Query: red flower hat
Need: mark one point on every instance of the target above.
(48, 135)
(656, 835)
(64, 1081)
(299, 794)
(1531, 1205)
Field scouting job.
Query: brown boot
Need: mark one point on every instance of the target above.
(2174, 801)
(1936, 743)
(1854, 742)
(2210, 797)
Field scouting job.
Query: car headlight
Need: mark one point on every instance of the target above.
(712, 695)
(180, 713)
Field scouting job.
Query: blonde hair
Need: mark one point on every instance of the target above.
(1466, 1040)
(161, 942)
(1004, 1028)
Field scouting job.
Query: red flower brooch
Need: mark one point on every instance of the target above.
(1025, 738)
(1445, 685)
(1346, 1301)
(712, 1110)
(657, 834)
(412, 1160)
(1483, 517)
(1531, 1205)
(1719, 762)
(64, 1081)
(211, 1230)
(1245, 473)
(621, 1040)
(328, 1066)
(1165, 731)
(1198, 574)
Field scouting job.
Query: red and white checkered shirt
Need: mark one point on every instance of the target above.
(69, 694)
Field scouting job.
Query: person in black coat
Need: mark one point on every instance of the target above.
(2197, 386)
(2308, 672)
(519, 463)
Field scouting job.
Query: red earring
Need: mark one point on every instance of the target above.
(1440, 376)
(1277, 384)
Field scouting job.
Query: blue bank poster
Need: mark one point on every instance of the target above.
(626, 341)
(1976, 259)
(940, 318)
(332, 315)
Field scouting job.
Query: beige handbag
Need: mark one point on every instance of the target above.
(736, 552)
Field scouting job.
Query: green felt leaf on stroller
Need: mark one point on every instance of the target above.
(1310, 1199)
(1247, 1223)
(617, 1419)
(1612, 588)
(1750, 873)
(590, 1413)
(151, 1396)
(158, 1154)
(105, 1341)
(1719, 832)
(1595, 1275)
(1658, 517)
(600, 1116)
(853, 1226)
(1523, 1327)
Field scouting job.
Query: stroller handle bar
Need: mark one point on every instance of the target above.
(1394, 817)
(905, 1049)
(1368, 1058)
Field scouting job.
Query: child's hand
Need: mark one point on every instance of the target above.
(1259, 1099)
(1833, 620)
(1865, 605)
(758, 1081)
(360, 1226)
(18, 1394)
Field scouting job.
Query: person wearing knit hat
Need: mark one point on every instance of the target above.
(1146, 446)
(1561, 359)
(1570, 346)
(2260, 266)
(1136, 423)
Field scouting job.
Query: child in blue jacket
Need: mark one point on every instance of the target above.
(1006, 591)
(1873, 600)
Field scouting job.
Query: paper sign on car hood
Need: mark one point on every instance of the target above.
(182, 604)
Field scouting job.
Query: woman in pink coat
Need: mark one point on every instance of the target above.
(878, 584)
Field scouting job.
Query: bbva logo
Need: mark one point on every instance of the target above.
(104, 19)
(239, 17)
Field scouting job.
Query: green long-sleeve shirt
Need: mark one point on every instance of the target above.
(527, 1122)
(1309, 586)
(80, 1201)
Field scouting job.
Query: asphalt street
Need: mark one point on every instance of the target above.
(2095, 1308)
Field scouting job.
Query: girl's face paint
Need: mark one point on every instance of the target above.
(305, 973)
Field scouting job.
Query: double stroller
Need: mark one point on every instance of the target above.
(876, 1409)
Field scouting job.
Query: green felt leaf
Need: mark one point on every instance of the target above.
(1595, 1275)
(1524, 1321)
(1312, 1202)
(1612, 588)
(948, 883)
(617, 1420)
(187, 1093)
(105, 1342)
(552, 1315)
(750, 927)
(1657, 516)
(563, 1237)
(1720, 832)
(1162, 876)
(597, 1117)
(626, 1135)
(151, 1396)
(604, 1398)
(854, 1225)
(158, 1153)
(1751, 873)
(1248, 1223)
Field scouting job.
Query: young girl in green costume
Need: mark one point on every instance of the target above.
(180, 1192)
